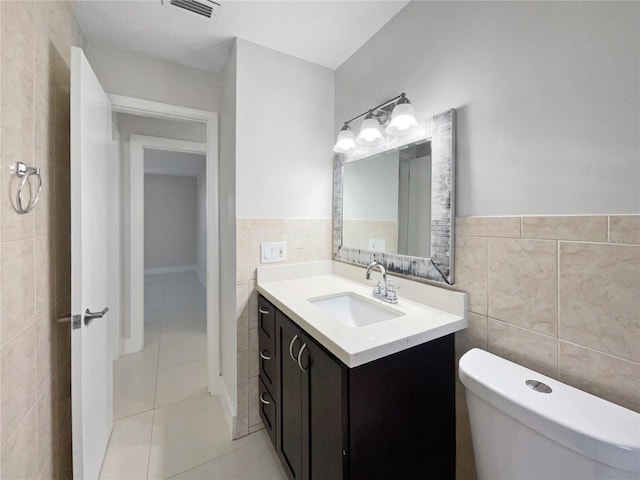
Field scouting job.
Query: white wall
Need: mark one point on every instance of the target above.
(275, 161)
(171, 162)
(157, 127)
(284, 135)
(185, 164)
(136, 75)
(169, 221)
(547, 97)
(116, 293)
(227, 186)
(371, 188)
(201, 227)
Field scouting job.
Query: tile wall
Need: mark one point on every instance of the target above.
(557, 294)
(308, 240)
(35, 267)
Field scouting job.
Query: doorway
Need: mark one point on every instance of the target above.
(132, 328)
(172, 327)
(167, 165)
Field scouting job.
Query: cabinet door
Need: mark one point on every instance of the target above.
(324, 426)
(268, 408)
(267, 361)
(267, 345)
(402, 414)
(266, 319)
(289, 436)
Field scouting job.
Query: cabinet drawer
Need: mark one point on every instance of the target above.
(266, 319)
(268, 411)
(267, 361)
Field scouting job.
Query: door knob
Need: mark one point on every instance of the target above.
(90, 316)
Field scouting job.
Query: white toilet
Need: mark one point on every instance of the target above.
(525, 425)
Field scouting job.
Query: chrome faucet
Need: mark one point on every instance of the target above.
(388, 293)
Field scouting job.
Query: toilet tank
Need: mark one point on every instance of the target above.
(521, 432)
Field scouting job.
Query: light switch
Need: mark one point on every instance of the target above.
(273, 252)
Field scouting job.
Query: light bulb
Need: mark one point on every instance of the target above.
(403, 119)
(346, 141)
(370, 132)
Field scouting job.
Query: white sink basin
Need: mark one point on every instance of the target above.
(354, 310)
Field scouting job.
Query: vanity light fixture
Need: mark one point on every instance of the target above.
(401, 121)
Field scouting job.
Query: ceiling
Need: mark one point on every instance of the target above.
(325, 32)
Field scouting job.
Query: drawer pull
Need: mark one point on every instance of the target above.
(293, 340)
(300, 358)
(264, 354)
(263, 311)
(262, 400)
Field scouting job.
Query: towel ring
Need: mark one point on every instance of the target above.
(25, 172)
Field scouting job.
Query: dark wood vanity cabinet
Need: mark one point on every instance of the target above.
(267, 385)
(390, 418)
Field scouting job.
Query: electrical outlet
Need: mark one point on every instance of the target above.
(273, 252)
(377, 245)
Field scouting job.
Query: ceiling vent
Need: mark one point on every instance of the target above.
(202, 8)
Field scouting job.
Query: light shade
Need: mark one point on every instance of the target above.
(370, 132)
(403, 118)
(346, 141)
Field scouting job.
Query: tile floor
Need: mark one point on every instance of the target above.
(166, 425)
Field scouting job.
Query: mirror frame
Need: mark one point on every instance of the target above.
(440, 130)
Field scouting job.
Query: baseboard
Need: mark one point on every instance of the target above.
(202, 277)
(228, 408)
(160, 270)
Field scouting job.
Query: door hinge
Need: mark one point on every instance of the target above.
(76, 321)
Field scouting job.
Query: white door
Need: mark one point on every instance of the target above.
(91, 356)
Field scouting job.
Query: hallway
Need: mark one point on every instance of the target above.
(166, 425)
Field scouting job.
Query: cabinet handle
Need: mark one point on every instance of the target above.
(263, 311)
(293, 340)
(264, 354)
(300, 358)
(262, 400)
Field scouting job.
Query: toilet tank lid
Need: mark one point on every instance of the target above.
(589, 425)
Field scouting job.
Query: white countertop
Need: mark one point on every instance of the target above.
(290, 288)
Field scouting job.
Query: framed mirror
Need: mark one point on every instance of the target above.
(394, 203)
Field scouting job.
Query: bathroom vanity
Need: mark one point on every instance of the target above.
(343, 400)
